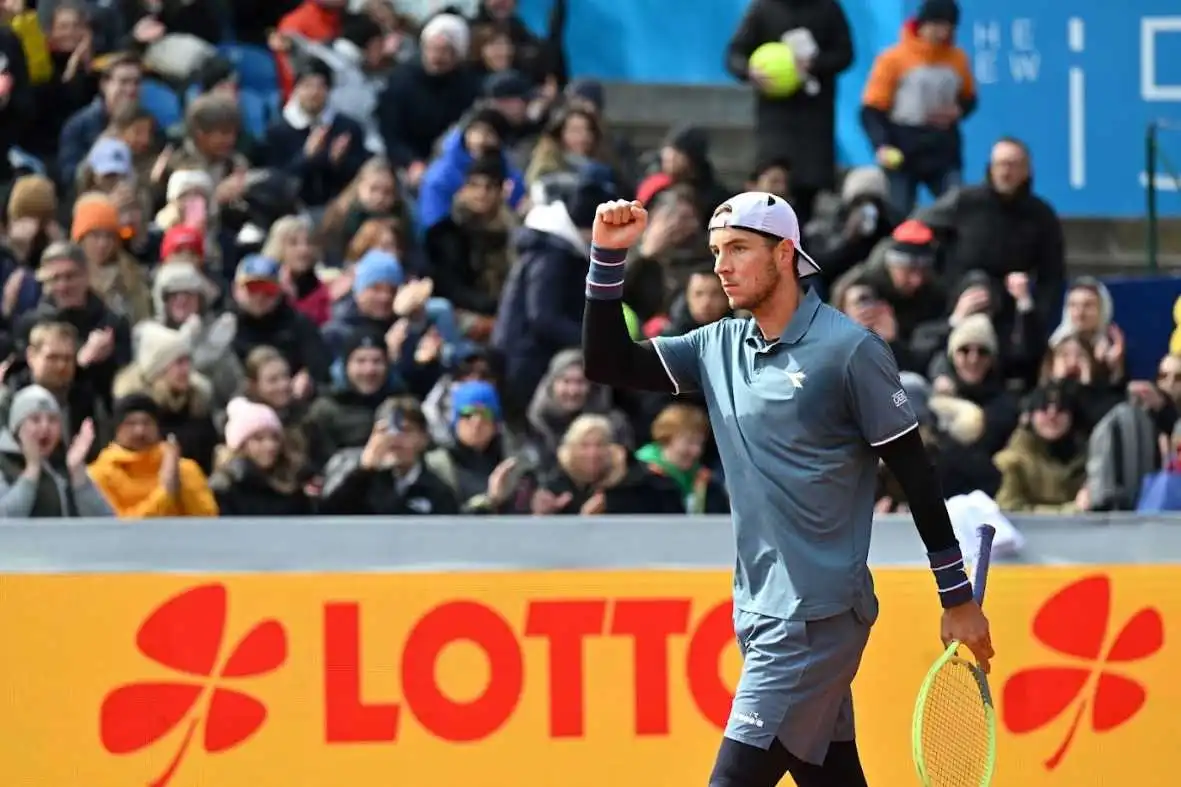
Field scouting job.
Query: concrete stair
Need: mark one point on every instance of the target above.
(645, 113)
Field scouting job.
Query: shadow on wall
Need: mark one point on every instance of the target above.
(651, 41)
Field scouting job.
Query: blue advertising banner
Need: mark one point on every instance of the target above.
(1078, 81)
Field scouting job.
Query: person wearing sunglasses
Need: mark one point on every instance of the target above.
(477, 464)
(975, 376)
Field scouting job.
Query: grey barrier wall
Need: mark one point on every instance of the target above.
(487, 543)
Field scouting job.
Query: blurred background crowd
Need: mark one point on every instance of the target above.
(328, 257)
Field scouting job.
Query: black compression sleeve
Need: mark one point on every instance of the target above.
(908, 460)
(610, 355)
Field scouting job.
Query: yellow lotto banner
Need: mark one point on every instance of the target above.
(562, 679)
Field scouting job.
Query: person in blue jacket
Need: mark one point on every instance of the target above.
(482, 133)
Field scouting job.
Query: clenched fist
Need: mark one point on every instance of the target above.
(619, 224)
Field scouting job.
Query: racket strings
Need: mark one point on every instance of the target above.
(955, 729)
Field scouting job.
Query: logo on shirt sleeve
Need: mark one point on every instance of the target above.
(899, 397)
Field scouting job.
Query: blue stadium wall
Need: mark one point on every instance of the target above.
(1079, 81)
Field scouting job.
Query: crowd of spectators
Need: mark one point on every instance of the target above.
(284, 259)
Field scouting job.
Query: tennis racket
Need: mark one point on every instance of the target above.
(954, 733)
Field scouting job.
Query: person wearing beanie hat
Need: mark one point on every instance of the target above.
(343, 417)
(484, 131)
(323, 147)
(1044, 465)
(246, 419)
(449, 30)
(181, 278)
(163, 369)
(685, 158)
(30, 484)
(918, 93)
(378, 268)
(422, 101)
(94, 213)
(144, 476)
(157, 349)
(258, 475)
(475, 398)
(592, 188)
(115, 276)
(473, 463)
(181, 297)
(33, 197)
(29, 402)
(216, 75)
(587, 93)
(183, 242)
(184, 182)
(973, 336)
(470, 250)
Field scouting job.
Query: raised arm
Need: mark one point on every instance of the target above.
(610, 355)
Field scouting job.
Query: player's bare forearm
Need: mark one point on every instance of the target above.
(908, 460)
(610, 355)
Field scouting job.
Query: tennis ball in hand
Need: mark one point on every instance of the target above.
(892, 158)
(777, 63)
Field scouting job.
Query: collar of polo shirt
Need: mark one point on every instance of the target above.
(796, 328)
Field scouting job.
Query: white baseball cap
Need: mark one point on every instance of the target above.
(766, 214)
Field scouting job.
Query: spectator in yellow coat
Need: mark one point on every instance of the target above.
(143, 475)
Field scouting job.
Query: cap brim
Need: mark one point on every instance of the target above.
(805, 265)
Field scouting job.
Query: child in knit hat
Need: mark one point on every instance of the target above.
(115, 276)
(162, 367)
(257, 475)
(32, 226)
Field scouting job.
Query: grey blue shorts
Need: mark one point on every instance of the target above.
(796, 682)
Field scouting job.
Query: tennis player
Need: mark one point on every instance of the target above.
(803, 403)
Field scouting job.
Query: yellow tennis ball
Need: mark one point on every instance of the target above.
(894, 158)
(777, 63)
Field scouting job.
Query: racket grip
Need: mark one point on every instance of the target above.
(984, 537)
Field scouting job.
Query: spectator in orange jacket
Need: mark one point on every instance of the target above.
(143, 476)
(918, 93)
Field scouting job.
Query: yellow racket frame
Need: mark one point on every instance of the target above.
(951, 655)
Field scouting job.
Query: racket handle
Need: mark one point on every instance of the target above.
(984, 536)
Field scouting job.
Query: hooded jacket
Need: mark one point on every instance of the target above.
(548, 421)
(542, 301)
(445, 176)
(130, 480)
(50, 496)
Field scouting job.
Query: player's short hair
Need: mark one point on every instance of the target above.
(678, 418)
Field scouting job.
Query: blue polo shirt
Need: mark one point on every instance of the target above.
(795, 421)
